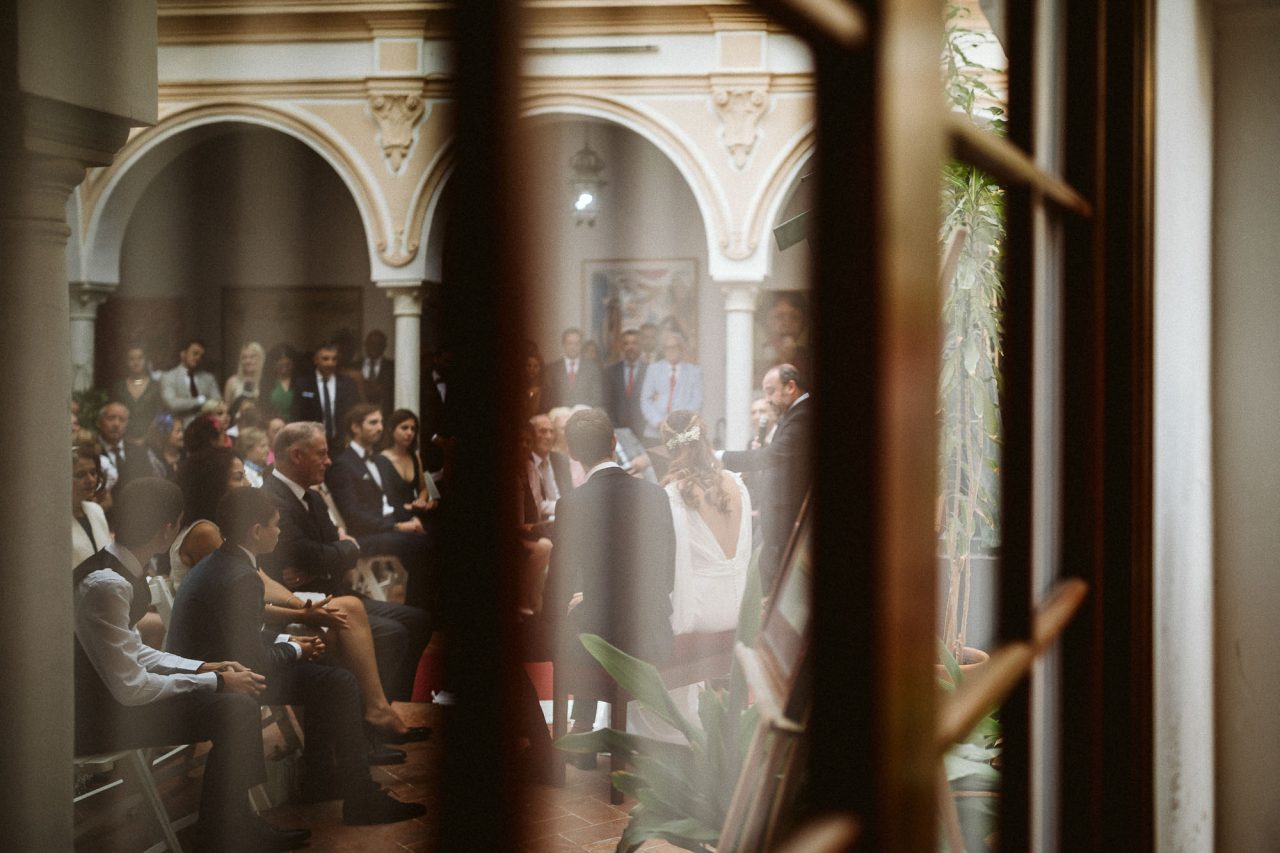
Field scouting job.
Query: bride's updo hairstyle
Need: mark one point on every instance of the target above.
(693, 467)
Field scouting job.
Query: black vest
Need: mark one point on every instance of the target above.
(94, 703)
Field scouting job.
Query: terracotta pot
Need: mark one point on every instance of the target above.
(970, 660)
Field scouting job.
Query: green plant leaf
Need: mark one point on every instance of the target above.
(642, 681)
(949, 661)
(675, 755)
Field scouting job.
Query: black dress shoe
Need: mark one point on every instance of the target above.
(274, 838)
(374, 805)
(412, 735)
(383, 754)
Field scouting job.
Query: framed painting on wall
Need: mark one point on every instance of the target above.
(782, 333)
(628, 294)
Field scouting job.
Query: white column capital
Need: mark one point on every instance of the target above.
(740, 295)
(405, 296)
(86, 296)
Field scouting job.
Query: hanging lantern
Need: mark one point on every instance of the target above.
(586, 184)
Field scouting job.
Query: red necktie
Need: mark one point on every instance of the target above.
(671, 395)
(631, 379)
(573, 375)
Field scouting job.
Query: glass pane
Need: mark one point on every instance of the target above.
(661, 154)
(971, 431)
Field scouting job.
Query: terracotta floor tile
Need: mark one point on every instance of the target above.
(552, 844)
(553, 826)
(607, 845)
(592, 810)
(598, 832)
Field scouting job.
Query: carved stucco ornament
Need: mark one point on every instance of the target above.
(739, 108)
(396, 114)
(401, 251)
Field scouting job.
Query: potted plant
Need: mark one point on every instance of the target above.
(972, 235)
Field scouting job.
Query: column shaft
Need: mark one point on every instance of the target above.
(739, 355)
(37, 715)
(85, 299)
(406, 301)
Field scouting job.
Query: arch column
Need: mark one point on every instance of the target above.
(739, 358)
(86, 296)
(406, 307)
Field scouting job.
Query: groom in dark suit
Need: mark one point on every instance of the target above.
(219, 608)
(616, 536)
(785, 464)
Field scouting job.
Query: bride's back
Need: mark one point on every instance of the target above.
(724, 523)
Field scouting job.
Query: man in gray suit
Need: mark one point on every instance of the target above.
(186, 388)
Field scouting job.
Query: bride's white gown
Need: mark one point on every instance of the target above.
(705, 598)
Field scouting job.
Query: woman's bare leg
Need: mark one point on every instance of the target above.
(354, 647)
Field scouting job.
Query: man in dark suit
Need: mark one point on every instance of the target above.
(784, 463)
(573, 380)
(218, 612)
(324, 396)
(356, 481)
(314, 556)
(129, 695)
(622, 384)
(121, 462)
(379, 373)
(617, 541)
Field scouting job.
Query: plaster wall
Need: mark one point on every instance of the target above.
(1246, 391)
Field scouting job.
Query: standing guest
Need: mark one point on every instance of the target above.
(186, 388)
(246, 382)
(128, 695)
(623, 384)
(324, 396)
(438, 424)
(573, 380)
(615, 535)
(591, 353)
(784, 463)
(251, 444)
(407, 484)
(164, 446)
(282, 361)
(314, 555)
(378, 372)
(218, 613)
(120, 462)
(89, 533)
(139, 393)
(669, 385)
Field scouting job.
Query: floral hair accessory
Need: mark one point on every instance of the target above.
(689, 436)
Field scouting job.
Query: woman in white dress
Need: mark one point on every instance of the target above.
(711, 512)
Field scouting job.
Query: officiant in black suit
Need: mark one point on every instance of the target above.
(324, 396)
(616, 551)
(784, 465)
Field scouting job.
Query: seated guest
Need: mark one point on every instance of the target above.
(164, 446)
(121, 462)
(411, 487)
(130, 696)
(186, 388)
(615, 537)
(218, 613)
(208, 476)
(382, 526)
(202, 433)
(552, 466)
(220, 414)
(251, 444)
(314, 555)
(89, 533)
